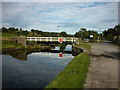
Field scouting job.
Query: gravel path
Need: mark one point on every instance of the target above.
(103, 70)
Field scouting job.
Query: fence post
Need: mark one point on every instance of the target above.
(35, 39)
(40, 39)
(46, 39)
(71, 39)
(58, 39)
(51, 39)
(30, 38)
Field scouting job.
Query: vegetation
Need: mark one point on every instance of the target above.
(86, 46)
(83, 33)
(74, 75)
(8, 34)
(9, 44)
(33, 45)
(112, 33)
(19, 32)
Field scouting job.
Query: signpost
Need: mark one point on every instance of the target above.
(91, 38)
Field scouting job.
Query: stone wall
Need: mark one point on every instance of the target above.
(76, 50)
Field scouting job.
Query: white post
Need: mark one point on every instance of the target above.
(58, 39)
(51, 39)
(35, 39)
(30, 38)
(64, 40)
(40, 39)
(46, 39)
(71, 39)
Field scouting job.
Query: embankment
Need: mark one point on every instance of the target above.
(74, 75)
(13, 43)
(76, 50)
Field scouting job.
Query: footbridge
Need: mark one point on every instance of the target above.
(53, 39)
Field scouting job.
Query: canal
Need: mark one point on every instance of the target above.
(33, 70)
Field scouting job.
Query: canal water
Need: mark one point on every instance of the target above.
(34, 70)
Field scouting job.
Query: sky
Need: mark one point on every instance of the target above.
(69, 16)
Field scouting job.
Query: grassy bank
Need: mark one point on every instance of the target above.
(74, 75)
(9, 44)
(8, 34)
(37, 46)
(86, 46)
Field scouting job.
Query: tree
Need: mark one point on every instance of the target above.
(94, 33)
(63, 34)
(25, 32)
(4, 29)
(111, 33)
(83, 30)
(84, 33)
(33, 32)
(105, 34)
(78, 34)
(117, 29)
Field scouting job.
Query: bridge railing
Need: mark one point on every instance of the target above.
(52, 39)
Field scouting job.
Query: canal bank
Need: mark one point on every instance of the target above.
(74, 75)
(9, 45)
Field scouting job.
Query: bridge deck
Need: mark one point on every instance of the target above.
(52, 39)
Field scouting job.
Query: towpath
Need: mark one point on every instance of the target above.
(103, 70)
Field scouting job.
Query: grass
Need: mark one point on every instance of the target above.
(9, 44)
(86, 46)
(36, 46)
(8, 34)
(74, 75)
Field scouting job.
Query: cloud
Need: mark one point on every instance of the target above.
(60, 0)
(70, 16)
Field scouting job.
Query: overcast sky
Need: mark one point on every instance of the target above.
(69, 16)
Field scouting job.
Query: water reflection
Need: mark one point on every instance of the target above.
(37, 72)
(22, 54)
(18, 54)
(39, 68)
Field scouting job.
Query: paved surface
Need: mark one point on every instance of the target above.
(103, 70)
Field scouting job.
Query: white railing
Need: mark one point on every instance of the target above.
(52, 39)
(56, 55)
